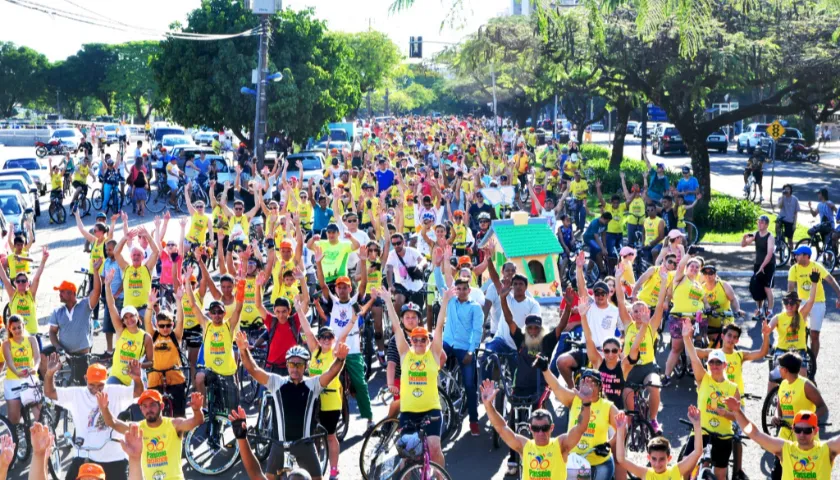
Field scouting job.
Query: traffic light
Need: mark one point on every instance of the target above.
(415, 47)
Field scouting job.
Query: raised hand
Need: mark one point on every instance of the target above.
(7, 451)
(488, 391)
(585, 393)
(102, 400)
(363, 255)
(583, 308)
(437, 257)
(319, 254)
(109, 277)
(261, 279)
(341, 350)
(132, 444)
(580, 260)
(694, 413)
(569, 296)
(196, 401)
(621, 420)
(153, 296)
(53, 364)
(766, 329)
(45, 254)
(450, 293)
(383, 293)
(134, 369)
(179, 293)
(687, 328)
(241, 340)
(183, 221)
(41, 438)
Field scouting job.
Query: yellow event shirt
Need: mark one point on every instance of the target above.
(161, 451)
(97, 252)
(650, 290)
(688, 297)
(22, 357)
(672, 473)
(636, 212)
(56, 181)
(792, 399)
(81, 173)
(198, 228)
(539, 463)
(24, 305)
(218, 349)
(419, 383)
(330, 396)
(710, 397)
(651, 229)
(786, 337)
(190, 315)
(250, 312)
(646, 355)
(130, 346)
(596, 430)
(801, 275)
(579, 189)
(18, 266)
(806, 464)
(615, 225)
(137, 283)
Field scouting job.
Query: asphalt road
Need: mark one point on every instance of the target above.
(469, 457)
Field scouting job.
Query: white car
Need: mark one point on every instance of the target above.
(37, 170)
(27, 190)
(69, 137)
(17, 211)
(312, 163)
(111, 134)
(171, 140)
(751, 137)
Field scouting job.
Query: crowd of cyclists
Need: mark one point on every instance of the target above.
(285, 295)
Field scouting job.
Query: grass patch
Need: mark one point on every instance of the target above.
(735, 237)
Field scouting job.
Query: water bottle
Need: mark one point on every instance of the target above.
(83, 270)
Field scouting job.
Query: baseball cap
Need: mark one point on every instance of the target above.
(96, 373)
(686, 169)
(601, 286)
(718, 355)
(66, 286)
(91, 470)
(674, 234)
(128, 309)
(533, 320)
(343, 280)
(419, 332)
(803, 250)
(150, 395)
(806, 416)
(332, 227)
(324, 330)
(709, 268)
(285, 244)
(464, 260)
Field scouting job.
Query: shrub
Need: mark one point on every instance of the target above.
(727, 214)
(598, 159)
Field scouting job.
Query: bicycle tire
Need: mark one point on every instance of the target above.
(828, 259)
(639, 434)
(195, 461)
(84, 206)
(157, 200)
(343, 422)
(782, 254)
(681, 368)
(415, 472)
(753, 191)
(369, 347)
(265, 419)
(378, 443)
(248, 389)
(322, 448)
(57, 212)
(692, 234)
(450, 421)
(96, 198)
(54, 463)
(768, 411)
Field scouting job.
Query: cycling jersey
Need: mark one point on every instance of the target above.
(542, 462)
(734, 370)
(792, 399)
(161, 450)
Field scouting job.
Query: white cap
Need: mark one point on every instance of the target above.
(718, 355)
(128, 309)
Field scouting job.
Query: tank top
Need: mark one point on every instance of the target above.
(761, 247)
(129, 346)
(374, 279)
(680, 216)
(798, 463)
(460, 234)
(220, 220)
(24, 305)
(250, 313)
(18, 266)
(787, 338)
(792, 399)
(166, 356)
(688, 297)
(651, 229)
(596, 431)
(636, 212)
(97, 252)
(717, 297)
(305, 215)
(419, 383)
(190, 315)
(672, 473)
(198, 228)
(137, 283)
(543, 462)
(330, 396)
(277, 270)
(161, 451)
(615, 225)
(646, 355)
(240, 222)
(710, 396)
(22, 357)
(612, 383)
(218, 349)
(734, 370)
(650, 290)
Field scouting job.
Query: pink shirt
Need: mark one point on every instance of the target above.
(166, 269)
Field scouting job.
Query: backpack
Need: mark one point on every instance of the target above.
(757, 289)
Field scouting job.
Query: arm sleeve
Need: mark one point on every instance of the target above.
(314, 384)
(276, 381)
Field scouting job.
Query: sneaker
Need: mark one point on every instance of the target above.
(333, 474)
(512, 469)
(656, 428)
(474, 431)
(666, 380)
(740, 476)
(370, 426)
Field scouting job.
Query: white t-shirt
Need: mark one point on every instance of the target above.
(602, 323)
(477, 296)
(424, 247)
(89, 423)
(172, 172)
(519, 310)
(342, 313)
(496, 308)
(411, 258)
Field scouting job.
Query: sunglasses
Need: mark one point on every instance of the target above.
(420, 340)
(397, 244)
(600, 293)
(170, 245)
(672, 263)
(352, 220)
(715, 362)
(21, 280)
(611, 350)
(326, 337)
(199, 206)
(803, 430)
(296, 364)
(164, 325)
(790, 302)
(540, 428)
(217, 311)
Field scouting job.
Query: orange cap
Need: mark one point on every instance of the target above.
(150, 395)
(344, 280)
(458, 213)
(91, 470)
(193, 279)
(464, 260)
(97, 373)
(419, 332)
(65, 285)
(805, 416)
(285, 244)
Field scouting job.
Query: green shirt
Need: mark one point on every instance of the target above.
(334, 263)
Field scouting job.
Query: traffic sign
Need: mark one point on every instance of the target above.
(775, 130)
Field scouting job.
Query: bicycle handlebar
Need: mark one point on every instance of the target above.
(286, 444)
(734, 436)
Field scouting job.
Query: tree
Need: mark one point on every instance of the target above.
(22, 76)
(374, 58)
(85, 73)
(131, 76)
(203, 79)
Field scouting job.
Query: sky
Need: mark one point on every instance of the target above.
(58, 38)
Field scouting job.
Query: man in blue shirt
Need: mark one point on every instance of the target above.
(461, 338)
(593, 237)
(116, 287)
(688, 186)
(321, 213)
(384, 176)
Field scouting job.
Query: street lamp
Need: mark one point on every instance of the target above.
(248, 91)
(274, 77)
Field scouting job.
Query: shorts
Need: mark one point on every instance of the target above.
(78, 184)
(433, 429)
(8, 386)
(765, 279)
(140, 194)
(789, 227)
(193, 336)
(816, 317)
(173, 184)
(107, 321)
(721, 449)
(329, 420)
(416, 297)
(304, 453)
(675, 326)
(594, 249)
(639, 373)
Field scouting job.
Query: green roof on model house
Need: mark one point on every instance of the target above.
(535, 238)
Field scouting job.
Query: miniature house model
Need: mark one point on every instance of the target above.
(532, 246)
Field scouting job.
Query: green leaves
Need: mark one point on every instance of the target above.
(22, 76)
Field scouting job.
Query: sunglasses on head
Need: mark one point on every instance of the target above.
(803, 430)
(540, 428)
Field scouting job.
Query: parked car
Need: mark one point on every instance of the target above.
(667, 139)
(181, 151)
(205, 138)
(18, 213)
(38, 171)
(160, 131)
(172, 140)
(751, 137)
(717, 141)
(111, 134)
(597, 127)
(651, 126)
(27, 190)
(69, 137)
(312, 163)
(631, 127)
(790, 135)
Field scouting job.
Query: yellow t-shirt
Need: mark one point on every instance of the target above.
(786, 337)
(792, 399)
(801, 275)
(681, 216)
(521, 162)
(688, 297)
(546, 462)
(615, 225)
(734, 371)
(710, 396)
(56, 181)
(218, 349)
(717, 297)
(17, 266)
(646, 354)
(198, 228)
(81, 173)
(650, 290)
(22, 357)
(636, 212)
(330, 396)
(24, 305)
(279, 288)
(190, 315)
(129, 346)
(596, 431)
(419, 381)
(335, 258)
(97, 252)
(161, 451)
(220, 220)
(579, 189)
(806, 464)
(459, 231)
(243, 223)
(137, 283)
(672, 473)
(250, 313)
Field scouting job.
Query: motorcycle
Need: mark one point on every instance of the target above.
(54, 147)
(797, 151)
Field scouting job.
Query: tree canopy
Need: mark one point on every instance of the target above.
(22, 76)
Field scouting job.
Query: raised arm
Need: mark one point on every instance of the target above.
(340, 354)
(183, 425)
(560, 390)
(81, 226)
(569, 440)
(488, 395)
(118, 425)
(254, 370)
(691, 351)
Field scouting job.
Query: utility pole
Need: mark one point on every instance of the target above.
(495, 104)
(259, 121)
(58, 101)
(387, 106)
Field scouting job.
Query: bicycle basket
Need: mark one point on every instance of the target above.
(29, 392)
(410, 446)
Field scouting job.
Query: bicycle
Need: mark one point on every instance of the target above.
(412, 459)
(704, 470)
(211, 448)
(82, 203)
(751, 189)
(116, 199)
(823, 247)
(453, 398)
(591, 272)
(498, 365)
(639, 428)
(168, 406)
(782, 248)
(319, 438)
(692, 234)
(700, 339)
(57, 212)
(158, 198)
(198, 192)
(249, 387)
(520, 411)
(81, 452)
(770, 407)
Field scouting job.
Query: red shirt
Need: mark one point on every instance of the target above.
(282, 340)
(541, 197)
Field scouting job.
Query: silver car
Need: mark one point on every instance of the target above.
(312, 164)
(17, 211)
(38, 171)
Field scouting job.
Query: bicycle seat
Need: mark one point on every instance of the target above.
(410, 445)
(524, 400)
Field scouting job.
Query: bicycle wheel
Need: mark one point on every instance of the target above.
(769, 411)
(57, 212)
(248, 387)
(211, 448)
(782, 253)
(54, 463)
(451, 420)
(378, 457)
(368, 348)
(639, 434)
(157, 200)
(828, 259)
(416, 472)
(680, 368)
(6, 429)
(691, 234)
(96, 198)
(322, 448)
(592, 273)
(343, 421)
(84, 206)
(265, 422)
